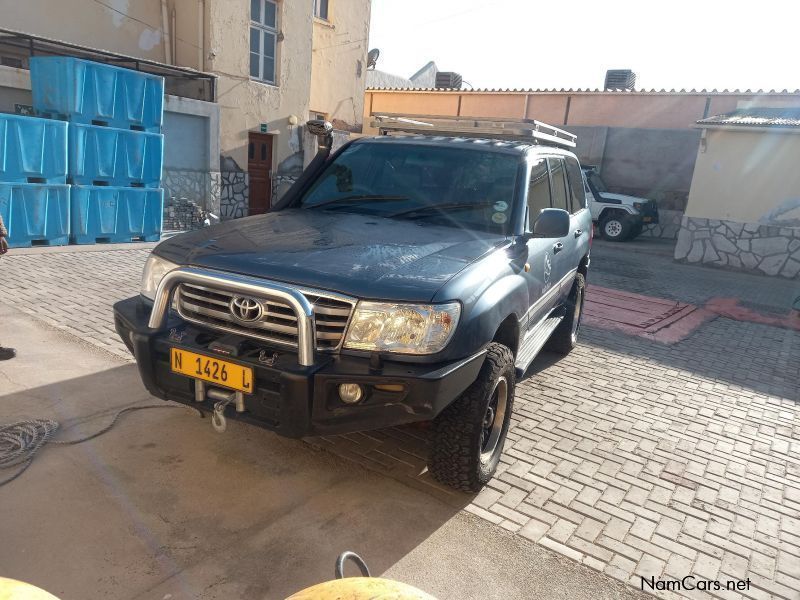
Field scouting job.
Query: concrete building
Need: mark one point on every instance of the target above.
(744, 203)
(242, 77)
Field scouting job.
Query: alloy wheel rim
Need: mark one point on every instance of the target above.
(493, 419)
(613, 228)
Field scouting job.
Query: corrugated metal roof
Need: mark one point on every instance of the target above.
(757, 117)
(585, 91)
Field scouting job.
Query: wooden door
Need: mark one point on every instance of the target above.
(259, 165)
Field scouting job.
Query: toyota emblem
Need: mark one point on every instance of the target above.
(246, 309)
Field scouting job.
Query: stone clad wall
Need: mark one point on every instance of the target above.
(764, 249)
(234, 201)
(668, 226)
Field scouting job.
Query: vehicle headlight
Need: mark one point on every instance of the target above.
(154, 270)
(402, 328)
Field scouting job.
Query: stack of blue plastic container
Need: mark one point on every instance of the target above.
(34, 197)
(115, 146)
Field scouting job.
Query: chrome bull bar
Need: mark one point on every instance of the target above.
(240, 284)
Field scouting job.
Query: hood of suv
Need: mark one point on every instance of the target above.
(623, 199)
(358, 255)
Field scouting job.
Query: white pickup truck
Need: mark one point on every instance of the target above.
(619, 218)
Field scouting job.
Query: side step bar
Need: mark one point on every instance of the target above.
(536, 339)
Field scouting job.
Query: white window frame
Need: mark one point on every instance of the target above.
(317, 8)
(261, 28)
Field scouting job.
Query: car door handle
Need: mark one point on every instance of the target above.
(558, 248)
(578, 233)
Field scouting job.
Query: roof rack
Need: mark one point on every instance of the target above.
(524, 130)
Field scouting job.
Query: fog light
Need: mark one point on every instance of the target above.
(350, 392)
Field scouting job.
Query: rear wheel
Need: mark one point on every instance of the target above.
(615, 227)
(468, 436)
(565, 337)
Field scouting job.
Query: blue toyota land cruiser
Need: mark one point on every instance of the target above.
(402, 278)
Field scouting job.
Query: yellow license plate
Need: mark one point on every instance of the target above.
(211, 369)
(647, 219)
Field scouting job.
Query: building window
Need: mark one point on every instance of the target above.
(263, 39)
(321, 9)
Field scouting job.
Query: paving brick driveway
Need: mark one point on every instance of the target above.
(633, 457)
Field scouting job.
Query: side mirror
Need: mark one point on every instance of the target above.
(551, 223)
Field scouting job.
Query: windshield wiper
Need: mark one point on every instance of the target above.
(357, 197)
(423, 210)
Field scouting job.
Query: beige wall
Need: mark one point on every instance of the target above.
(745, 174)
(91, 24)
(245, 103)
(339, 63)
(130, 27)
(188, 49)
(318, 69)
(649, 110)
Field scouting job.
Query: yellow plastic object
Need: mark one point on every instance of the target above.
(11, 589)
(361, 588)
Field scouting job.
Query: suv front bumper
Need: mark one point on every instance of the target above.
(289, 398)
(649, 213)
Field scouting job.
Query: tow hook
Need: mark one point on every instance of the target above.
(218, 420)
(223, 398)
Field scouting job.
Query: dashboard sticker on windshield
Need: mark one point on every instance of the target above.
(500, 206)
(499, 217)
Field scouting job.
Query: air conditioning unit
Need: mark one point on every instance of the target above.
(620, 79)
(448, 79)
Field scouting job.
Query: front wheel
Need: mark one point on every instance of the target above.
(615, 227)
(468, 436)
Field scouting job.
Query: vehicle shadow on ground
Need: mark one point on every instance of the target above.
(162, 504)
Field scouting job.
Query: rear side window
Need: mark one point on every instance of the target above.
(575, 184)
(538, 191)
(557, 179)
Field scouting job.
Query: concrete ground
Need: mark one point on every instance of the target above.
(163, 507)
(630, 456)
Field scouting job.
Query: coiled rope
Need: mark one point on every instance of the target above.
(21, 440)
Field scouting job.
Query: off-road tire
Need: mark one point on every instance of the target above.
(456, 449)
(617, 223)
(565, 337)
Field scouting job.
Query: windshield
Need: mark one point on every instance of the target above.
(456, 187)
(596, 181)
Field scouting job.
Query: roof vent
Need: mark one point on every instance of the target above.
(449, 80)
(620, 79)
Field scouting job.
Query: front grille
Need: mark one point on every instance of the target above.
(211, 307)
(650, 209)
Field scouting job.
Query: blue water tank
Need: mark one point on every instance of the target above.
(116, 157)
(115, 214)
(35, 214)
(83, 91)
(32, 150)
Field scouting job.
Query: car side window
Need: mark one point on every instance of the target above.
(558, 183)
(575, 184)
(538, 191)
